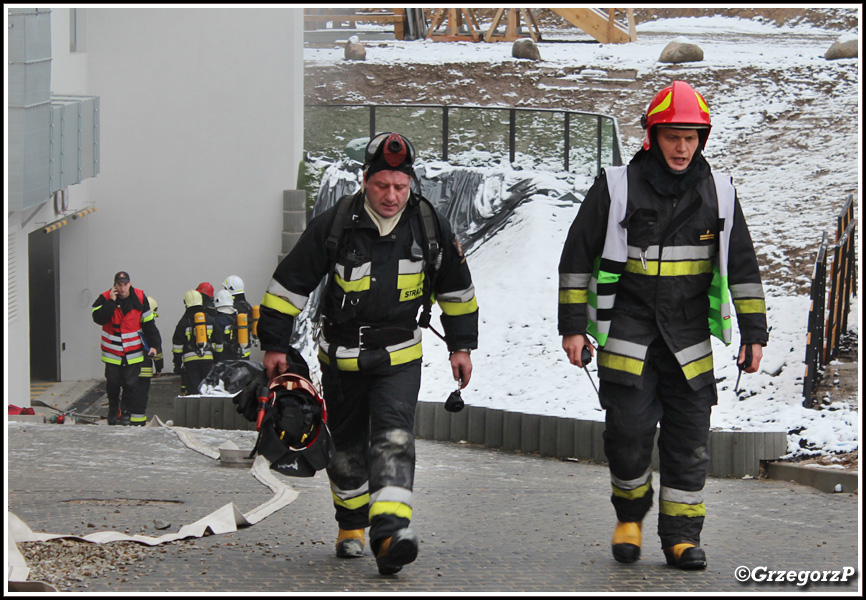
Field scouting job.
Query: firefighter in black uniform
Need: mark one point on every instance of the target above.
(370, 341)
(652, 263)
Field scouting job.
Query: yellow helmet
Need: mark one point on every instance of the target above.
(192, 298)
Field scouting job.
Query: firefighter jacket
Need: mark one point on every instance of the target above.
(637, 266)
(123, 321)
(376, 287)
(229, 348)
(243, 307)
(187, 346)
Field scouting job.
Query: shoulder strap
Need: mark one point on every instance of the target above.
(344, 215)
(431, 232)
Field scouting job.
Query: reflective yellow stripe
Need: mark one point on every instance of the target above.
(360, 285)
(573, 296)
(638, 492)
(620, 363)
(280, 305)
(670, 269)
(663, 105)
(698, 367)
(343, 364)
(400, 357)
(351, 503)
(746, 307)
(405, 282)
(675, 509)
(397, 509)
(454, 309)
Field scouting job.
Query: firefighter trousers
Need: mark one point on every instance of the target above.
(371, 416)
(120, 378)
(665, 403)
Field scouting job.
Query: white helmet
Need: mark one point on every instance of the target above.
(153, 305)
(224, 302)
(234, 284)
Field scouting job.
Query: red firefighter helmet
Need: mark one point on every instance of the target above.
(678, 106)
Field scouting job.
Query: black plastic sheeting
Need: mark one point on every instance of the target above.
(452, 192)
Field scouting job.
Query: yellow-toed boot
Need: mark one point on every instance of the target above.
(350, 543)
(395, 551)
(626, 541)
(686, 556)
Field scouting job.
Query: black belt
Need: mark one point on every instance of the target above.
(366, 337)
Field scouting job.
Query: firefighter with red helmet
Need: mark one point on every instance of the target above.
(656, 262)
(385, 252)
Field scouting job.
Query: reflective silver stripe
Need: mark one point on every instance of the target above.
(652, 252)
(603, 327)
(416, 338)
(133, 355)
(457, 296)
(392, 494)
(615, 241)
(406, 266)
(127, 336)
(632, 484)
(671, 253)
(349, 494)
(145, 316)
(110, 338)
(668, 494)
(747, 290)
(574, 280)
(342, 351)
(625, 348)
(693, 353)
(358, 272)
(296, 300)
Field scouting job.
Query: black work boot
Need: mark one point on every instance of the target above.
(686, 556)
(113, 412)
(395, 551)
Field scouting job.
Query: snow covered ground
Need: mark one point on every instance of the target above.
(791, 188)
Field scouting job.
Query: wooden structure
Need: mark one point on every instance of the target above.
(602, 23)
(512, 25)
(315, 17)
(456, 18)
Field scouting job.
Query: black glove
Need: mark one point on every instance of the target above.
(247, 400)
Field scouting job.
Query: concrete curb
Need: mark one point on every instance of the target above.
(826, 480)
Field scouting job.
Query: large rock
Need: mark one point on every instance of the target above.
(844, 47)
(681, 50)
(525, 48)
(354, 49)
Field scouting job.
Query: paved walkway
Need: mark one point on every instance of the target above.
(490, 522)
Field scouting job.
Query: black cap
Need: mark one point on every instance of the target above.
(121, 277)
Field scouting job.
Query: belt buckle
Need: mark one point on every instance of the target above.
(361, 336)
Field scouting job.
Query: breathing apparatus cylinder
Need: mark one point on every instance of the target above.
(243, 330)
(255, 324)
(200, 332)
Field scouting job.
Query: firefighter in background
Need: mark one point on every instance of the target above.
(150, 368)
(235, 344)
(379, 277)
(124, 314)
(193, 343)
(206, 291)
(658, 250)
(235, 286)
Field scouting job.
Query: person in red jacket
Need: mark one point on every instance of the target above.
(124, 313)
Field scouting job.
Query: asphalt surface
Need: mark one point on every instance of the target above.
(490, 522)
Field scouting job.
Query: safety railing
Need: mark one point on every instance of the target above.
(528, 138)
(823, 342)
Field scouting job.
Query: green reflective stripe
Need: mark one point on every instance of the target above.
(747, 307)
(190, 358)
(359, 285)
(605, 277)
(698, 367)
(96, 308)
(573, 296)
(401, 357)
(720, 308)
(137, 419)
(149, 317)
(278, 304)
(113, 361)
(454, 309)
(676, 509)
(635, 494)
(620, 363)
(352, 503)
(397, 509)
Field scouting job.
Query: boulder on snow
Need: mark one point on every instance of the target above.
(681, 50)
(844, 47)
(525, 48)
(354, 49)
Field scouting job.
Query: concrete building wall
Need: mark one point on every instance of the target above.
(201, 131)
